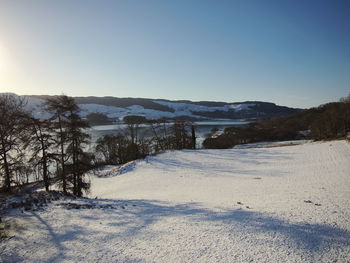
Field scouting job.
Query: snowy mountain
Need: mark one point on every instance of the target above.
(117, 108)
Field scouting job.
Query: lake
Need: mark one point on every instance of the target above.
(202, 129)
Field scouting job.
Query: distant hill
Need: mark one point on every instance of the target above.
(326, 122)
(117, 108)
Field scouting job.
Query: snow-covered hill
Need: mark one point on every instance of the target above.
(276, 204)
(118, 108)
(179, 109)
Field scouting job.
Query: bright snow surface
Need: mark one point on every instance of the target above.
(278, 204)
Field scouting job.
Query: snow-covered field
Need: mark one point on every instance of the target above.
(275, 204)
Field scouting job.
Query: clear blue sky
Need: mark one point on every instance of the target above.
(293, 53)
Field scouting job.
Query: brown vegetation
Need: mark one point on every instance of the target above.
(329, 121)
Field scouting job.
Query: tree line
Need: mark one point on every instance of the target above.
(55, 150)
(32, 148)
(143, 137)
(328, 121)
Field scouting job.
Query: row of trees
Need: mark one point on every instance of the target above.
(52, 147)
(332, 120)
(141, 138)
(328, 121)
(54, 150)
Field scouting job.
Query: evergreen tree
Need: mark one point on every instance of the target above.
(71, 139)
(77, 138)
(39, 140)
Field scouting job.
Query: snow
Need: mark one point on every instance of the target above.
(31, 104)
(274, 204)
(241, 107)
(111, 111)
(120, 113)
(180, 109)
(188, 108)
(113, 170)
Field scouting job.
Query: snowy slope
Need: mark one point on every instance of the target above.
(120, 113)
(277, 204)
(180, 109)
(188, 108)
(118, 108)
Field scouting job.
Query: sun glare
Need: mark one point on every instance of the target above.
(8, 79)
(6, 64)
(3, 57)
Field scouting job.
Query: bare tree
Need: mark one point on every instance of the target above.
(11, 116)
(113, 149)
(39, 139)
(160, 135)
(180, 137)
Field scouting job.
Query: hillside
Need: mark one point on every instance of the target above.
(118, 108)
(275, 204)
(328, 121)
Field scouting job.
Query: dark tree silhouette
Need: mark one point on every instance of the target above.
(11, 125)
(39, 140)
(70, 138)
(77, 138)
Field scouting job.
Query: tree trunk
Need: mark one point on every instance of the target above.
(7, 173)
(45, 172)
(45, 168)
(63, 175)
(193, 138)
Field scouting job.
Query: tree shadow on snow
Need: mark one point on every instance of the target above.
(135, 218)
(137, 215)
(55, 236)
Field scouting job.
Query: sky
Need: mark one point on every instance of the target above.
(293, 53)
